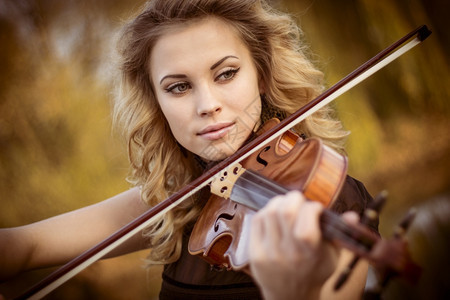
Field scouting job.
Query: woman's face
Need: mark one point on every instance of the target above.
(207, 87)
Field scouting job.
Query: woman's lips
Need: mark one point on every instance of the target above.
(216, 131)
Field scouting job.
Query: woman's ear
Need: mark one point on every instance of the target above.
(262, 86)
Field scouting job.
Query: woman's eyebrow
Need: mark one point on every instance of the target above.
(221, 61)
(172, 76)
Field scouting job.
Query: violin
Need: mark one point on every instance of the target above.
(214, 174)
(221, 233)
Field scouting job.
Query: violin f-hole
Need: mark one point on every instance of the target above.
(225, 216)
(260, 159)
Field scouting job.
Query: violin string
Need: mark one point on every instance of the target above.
(334, 225)
(261, 194)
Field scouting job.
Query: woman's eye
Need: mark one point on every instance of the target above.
(228, 74)
(178, 88)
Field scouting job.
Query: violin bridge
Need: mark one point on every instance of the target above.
(223, 183)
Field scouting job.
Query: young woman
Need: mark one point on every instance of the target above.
(198, 78)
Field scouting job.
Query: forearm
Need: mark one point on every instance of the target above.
(59, 239)
(15, 252)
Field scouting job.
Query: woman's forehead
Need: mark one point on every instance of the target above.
(199, 42)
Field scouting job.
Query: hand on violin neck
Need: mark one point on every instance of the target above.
(350, 217)
(288, 257)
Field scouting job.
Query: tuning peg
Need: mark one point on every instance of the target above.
(404, 224)
(372, 212)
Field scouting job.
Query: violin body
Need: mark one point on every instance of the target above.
(221, 234)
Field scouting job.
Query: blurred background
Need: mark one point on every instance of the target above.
(58, 151)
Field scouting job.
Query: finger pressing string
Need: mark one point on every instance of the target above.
(306, 228)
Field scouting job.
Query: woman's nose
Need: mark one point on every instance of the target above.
(206, 112)
(208, 104)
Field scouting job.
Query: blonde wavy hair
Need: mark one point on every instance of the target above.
(158, 164)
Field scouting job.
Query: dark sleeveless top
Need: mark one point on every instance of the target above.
(193, 278)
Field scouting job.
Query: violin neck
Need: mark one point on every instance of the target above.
(255, 191)
(358, 239)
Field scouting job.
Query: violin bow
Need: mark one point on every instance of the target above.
(73, 267)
